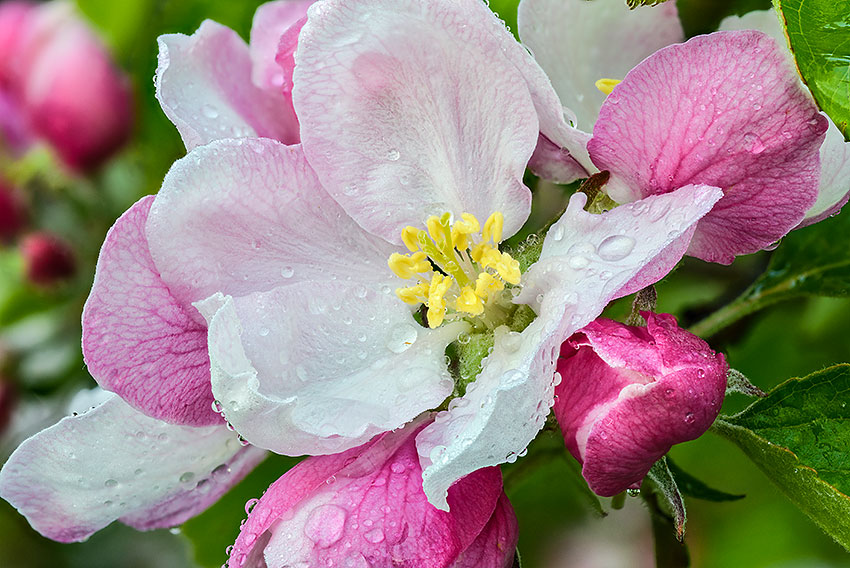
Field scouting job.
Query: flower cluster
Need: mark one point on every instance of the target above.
(254, 303)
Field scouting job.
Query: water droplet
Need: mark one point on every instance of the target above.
(463, 338)
(578, 262)
(325, 525)
(402, 337)
(287, 271)
(250, 504)
(669, 393)
(393, 155)
(397, 467)
(175, 530)
(375, 536)
(263, 331)
(512, 378)
(220, 472)
(557, 232)
(701, 373)
(615, 248)
(187, 477)
(111, 483)
(217, 407)
(753, 143)
(689, 418)
(209, 111)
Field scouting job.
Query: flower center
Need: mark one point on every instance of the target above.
(458, 268)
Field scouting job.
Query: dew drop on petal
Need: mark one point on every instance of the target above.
(375, 536)
(325, 525)
(689, 418)
(615, 248)
(402, 337)
(187, 477)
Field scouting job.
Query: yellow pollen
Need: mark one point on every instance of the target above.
(458, 267)
(607, 85)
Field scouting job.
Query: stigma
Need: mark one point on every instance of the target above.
(457, 267)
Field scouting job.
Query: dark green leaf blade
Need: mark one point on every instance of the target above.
(798, 437)
(693, 487)
(819, 32)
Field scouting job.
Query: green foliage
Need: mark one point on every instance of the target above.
(693, 487)
(798, 437)
(814, 261)
(819, 33)
(665, 486)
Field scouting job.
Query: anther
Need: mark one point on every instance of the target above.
(607, 85)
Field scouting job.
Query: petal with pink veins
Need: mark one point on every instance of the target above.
(406, 113)
(365, 507)
(203, 83)
(248, 215)
(114, 463)
(578, 42)
(586, 261)
(319, 367)
(138, 340)
(723, 110)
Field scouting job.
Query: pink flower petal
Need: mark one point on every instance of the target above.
(272, 20)
(629, 394)
(114, 463)
(138, 340)
(203, 83)
(722, 110)
(365, 507)
(585, 263)
(578, 42)
(248, 215)
(495, 546)
(320, 367)
(407, 113)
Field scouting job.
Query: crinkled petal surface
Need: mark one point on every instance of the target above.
(406, 113)
(723, 110)
(365, 507)
(586, 262)
(629, 394)
(138, 340)
(249, 215)
(114, 463)
(203, 83)
(578, 42)
(271, 21)
(321, 367)
(834, 188)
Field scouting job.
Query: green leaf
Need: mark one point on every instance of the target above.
(668, 492)
(693, 487)
(798, 437)
(813, 261)
(819, 33)
(211, 532)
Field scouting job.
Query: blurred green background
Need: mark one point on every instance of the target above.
(560, 523)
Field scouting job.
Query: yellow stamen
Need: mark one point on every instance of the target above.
(469, 302)
(436, 303)
(407, 266)
(414, 294)
(487, 285)
(493, 228)
(410, 237)
(607, 85)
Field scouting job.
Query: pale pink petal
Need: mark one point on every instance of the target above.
(114, 463)
(271, 22)
(630, 393)
(585, 263)
(203, 83)
(834, 188)
(318, 367)
(407, 113)
(247, 215)
(731, 114)
(554, 163)
(365, 507)
(578, 42)
(138, 340)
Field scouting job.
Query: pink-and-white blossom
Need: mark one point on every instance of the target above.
(59, 84)
(629, 393)
(365, 507)
(725, 110)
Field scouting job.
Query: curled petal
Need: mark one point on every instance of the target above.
(138, 340)
(114, 463)
(731, 114)
(272, 21)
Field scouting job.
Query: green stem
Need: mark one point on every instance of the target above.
(618, 501)
(669, 552)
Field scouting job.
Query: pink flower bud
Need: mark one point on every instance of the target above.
(628, 394)
(48, 260)
(12, 213)
(63, 82)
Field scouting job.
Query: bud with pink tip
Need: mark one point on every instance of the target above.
(629, 393)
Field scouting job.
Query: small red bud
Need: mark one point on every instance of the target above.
(48, 260)
(12, 213)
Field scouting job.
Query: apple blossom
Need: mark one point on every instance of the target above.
(629, 393)
(731, 114)
(365, 507)
(59, 84)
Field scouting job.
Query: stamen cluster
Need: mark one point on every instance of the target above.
(458, 272)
